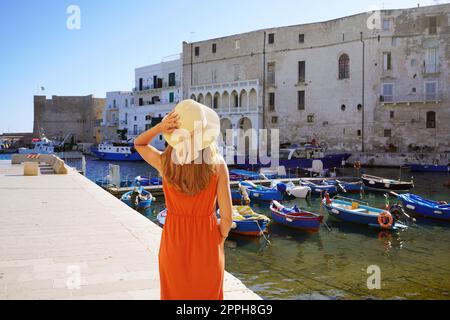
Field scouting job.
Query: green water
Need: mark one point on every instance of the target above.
(414, 264)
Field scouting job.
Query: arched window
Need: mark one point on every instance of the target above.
(431, 120)
(344, 67)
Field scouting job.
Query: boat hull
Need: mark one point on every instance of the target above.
(250, 228)
(142, 205)
(429, 168)
(372, 185)
(110, 156)
(310, 223)
(425, 208)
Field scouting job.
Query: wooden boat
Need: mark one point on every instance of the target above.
(239, 174)
(138, 198)
(359, 212)
(429, 168)
(375, 183)
(147, 181)
(347, 185)
(260, 193)
(295, 217)
(419, 206)
(246, 222)
(319, 187)
(296, 191)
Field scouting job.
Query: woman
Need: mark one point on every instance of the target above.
(195, 177)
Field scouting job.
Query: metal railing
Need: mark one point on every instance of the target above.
(413, 98)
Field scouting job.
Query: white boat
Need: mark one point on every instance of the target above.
(40, 146)
(293, 190)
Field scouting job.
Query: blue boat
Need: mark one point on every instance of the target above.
(246, 222)
(116, 152)
(240, 174)
(147, 181)
(419, 206)
(138, 198)
(295, 217)
(347, 186)
(260, 193)
(359, 212)
(161, 217)
(107, 182)
(319, 187)
(429, 168)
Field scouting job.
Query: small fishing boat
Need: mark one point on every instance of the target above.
(116, 151)
(273, 173)
(106, 181)
(353, 185)
(246, 222)
(239, 174)
(429, 168)
(374, 183)
(419, 206)
(260, 193)
(161, 217)
(359, 212)
(147, 181)
(296, 191)
(138, 198)
(240, 196)
(319, 187)
(295, 217)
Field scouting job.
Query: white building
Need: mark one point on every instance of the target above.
(157, 91)
(117, 102)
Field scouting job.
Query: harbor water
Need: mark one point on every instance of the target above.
(414, 263)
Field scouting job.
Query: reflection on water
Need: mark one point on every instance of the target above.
(414, 263)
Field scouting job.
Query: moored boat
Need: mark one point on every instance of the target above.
(359, 212)
(295, 217)
(161, 217)
(429, 168)
(138, 198)
(418, 206)
(246, 222)
(116, 151)
(293, 190)
(261, 193)
(147, 181)
(319, 187)
(375, 183)
(353, 185)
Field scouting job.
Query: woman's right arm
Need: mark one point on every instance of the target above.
(224, 200)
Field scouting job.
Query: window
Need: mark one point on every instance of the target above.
(310, 118)
(148, 126)
(386, 24)
(141, 101)
(214, 48)
(359, 107)
(391, 114)
(135, 130)
(301, 38)
(197, 51)
(387, 133)
(301, 100)
(126, 103)
(388, 92)
(272, 101)
(271, 38)
(271, 73)
(215, 101)
(343, 107)
(237, 72)
(430, 90)
(237, 44)
(431, 60)
(172, 82)
(301, 71)
(148, 118)
(171, 97)
(344, 67)
(236, 101)
(387, 61)
(359, 133)
(432, 25)
(274, 119)
(114, 103)
(431, 120)
(135, 118)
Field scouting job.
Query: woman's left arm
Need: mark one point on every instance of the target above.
(142, 143)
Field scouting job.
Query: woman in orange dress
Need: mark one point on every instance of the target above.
(195, 178)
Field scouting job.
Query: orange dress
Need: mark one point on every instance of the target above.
(191, 255)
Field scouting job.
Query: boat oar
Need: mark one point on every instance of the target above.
(341, 186)
(403, 212)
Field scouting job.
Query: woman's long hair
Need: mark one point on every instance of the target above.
(193, 177)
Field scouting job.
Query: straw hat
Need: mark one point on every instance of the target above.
(199, 128)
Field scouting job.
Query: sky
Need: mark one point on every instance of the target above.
(37, 49)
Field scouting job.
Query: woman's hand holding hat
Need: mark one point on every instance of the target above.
(170, 123)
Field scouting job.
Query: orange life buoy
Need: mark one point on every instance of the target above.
(385, 220)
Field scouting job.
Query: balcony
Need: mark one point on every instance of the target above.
(410, 99)
(165, 85)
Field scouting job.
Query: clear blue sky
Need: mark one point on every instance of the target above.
(37, 49)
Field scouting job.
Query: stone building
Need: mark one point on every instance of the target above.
(115, 102)
(356, 83)
(80, 116)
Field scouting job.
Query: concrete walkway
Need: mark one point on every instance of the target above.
(63, 237)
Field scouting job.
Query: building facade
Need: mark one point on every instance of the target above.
(62, 116)
(112, 120)
(367, 82)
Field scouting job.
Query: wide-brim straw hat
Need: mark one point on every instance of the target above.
(197, 122)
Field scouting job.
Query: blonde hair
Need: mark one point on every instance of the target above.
(193, 177)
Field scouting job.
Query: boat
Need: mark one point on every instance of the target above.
(359, 212)
(429, 168)
(295, 157)
(348, 185)
(246, 222)
(273, 173)
(295, 217)
(375, 183)
(40, 146)
(147, 181)
(138, 198)
(260, 193)
(418, 206)
(319, 187)
(240, 174)
(106, 181)
(116, 151)
(161, 217)
(292, 190)
(240, 196)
